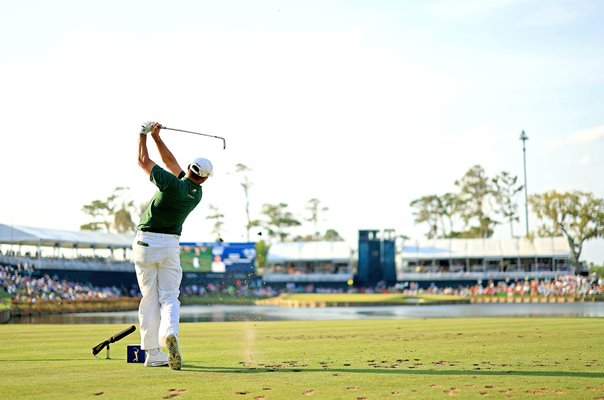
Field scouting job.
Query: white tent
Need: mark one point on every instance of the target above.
(337, 252)
(338, 255)
(439, 249)
(28, 236)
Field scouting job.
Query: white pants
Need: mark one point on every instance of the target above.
(158, 272)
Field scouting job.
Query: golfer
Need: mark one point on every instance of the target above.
(156, 247)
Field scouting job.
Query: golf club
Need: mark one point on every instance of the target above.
(120, 335)
(198, 133)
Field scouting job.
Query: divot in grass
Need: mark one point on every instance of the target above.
(172, 393)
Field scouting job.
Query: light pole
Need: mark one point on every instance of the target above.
(524, 138)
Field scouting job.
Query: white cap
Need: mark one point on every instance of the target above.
(202, 167)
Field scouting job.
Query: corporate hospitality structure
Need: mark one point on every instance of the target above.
(104, 258)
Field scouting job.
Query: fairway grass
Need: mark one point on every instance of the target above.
(534, 358)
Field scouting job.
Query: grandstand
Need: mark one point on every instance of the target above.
(83, 256)
(484, 259)
(52, 248)
(318, 262)
(104, 259)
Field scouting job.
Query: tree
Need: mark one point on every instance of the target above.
(261, 254)
(97, 209)
(122, 220)
(278, 219)
(112, 214)
(314, 208)
(449, 208)
(578, 216)
(246, 185)
(474, 191)
(438, 212)
(505, 191)
(331, 235)
(218, 219)
(428, 209)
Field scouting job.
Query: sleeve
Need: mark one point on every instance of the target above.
(162, 178)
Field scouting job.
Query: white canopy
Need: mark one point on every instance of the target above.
(550, 247)
(309, 252)
(22, 235)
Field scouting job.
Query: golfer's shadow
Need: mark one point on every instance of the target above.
(463, 372)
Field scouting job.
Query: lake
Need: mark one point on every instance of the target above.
(222, 313)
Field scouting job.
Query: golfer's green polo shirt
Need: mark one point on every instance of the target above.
(171, 205)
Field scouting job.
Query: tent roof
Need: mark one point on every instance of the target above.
(309, 251)
(14, 234)
(486, 248)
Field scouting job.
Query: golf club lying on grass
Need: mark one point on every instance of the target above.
(197, 133)
(120, 335)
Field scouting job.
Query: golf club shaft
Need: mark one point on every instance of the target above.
(198, 133)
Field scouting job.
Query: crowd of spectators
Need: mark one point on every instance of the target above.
(23, 285)
(563, 285)
(238, 288)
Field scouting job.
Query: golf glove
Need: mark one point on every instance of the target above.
(147, 127)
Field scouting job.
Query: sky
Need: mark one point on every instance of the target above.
(363, 105)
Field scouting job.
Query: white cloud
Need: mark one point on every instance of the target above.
(585, 136)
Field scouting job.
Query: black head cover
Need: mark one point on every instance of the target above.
(120, 335)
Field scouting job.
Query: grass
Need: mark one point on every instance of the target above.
(4, 300)
(535, 358)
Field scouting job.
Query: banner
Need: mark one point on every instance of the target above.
(218, 257)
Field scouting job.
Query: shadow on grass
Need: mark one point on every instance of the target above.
(235, 370)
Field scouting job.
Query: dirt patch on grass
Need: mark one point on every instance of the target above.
(172, 393)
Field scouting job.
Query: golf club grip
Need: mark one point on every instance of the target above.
(122, 334)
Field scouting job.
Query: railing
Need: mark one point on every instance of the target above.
(69, 264)
(272, 277)
(454, 276)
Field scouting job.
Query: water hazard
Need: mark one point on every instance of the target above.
(227, 313)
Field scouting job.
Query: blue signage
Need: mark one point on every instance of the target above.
(218, 257)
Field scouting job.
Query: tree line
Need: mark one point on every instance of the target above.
(478, 205)
(117, 213)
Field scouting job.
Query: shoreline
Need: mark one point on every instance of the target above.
(283, 301)
(131, 304)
